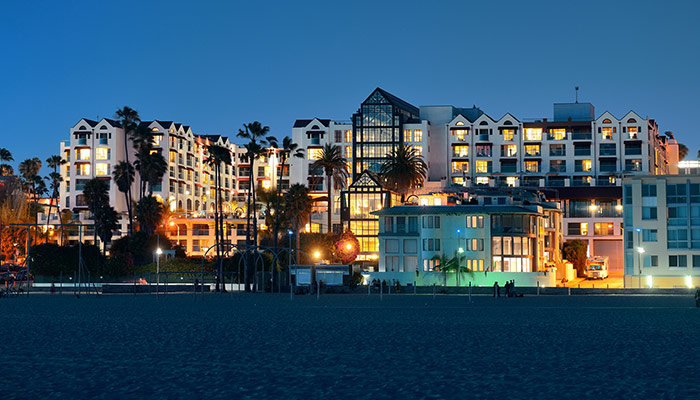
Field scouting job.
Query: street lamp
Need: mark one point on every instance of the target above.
(158, 253)
(640, 251)
(459, 257)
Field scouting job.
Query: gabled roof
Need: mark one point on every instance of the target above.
(113, 123)
(509, 116)
(87, 121)
(471, 114)
(367, 179)
(303, 123)
(391, 99)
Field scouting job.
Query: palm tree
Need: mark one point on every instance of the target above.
(96, 193)
(5, 157)
(404, 170)
(445, 264)
(298, 208)
(335, 167)
(124, 177)
(682, 151)
(29, 170)
(129, 120)
(106, 221)
(255, 133)
(218, 155)
(55, 180)
(149, 213)
(288, 149)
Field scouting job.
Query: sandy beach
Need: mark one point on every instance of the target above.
(266, 346)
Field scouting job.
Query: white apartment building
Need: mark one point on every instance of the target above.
(662, 231)
(187, 188)
(464, 147)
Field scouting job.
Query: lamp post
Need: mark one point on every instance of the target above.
(290, 233)
(459, 257)
(640, 251)
(158, 253)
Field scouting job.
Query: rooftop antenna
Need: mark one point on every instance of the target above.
(577, 94)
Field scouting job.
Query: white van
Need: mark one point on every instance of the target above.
(597, 268)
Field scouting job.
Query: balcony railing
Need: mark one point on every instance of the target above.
(582, 136)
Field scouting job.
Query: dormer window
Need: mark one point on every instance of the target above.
(459, 123)
(607, 121)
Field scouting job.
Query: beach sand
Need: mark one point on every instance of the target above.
(349, 346)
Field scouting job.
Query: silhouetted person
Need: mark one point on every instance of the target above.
(496, 290)
(697, 298)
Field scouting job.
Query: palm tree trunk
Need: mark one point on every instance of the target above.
(330, 201)
(128, 191)
(216, 225)
(246, 278)
(277, 210)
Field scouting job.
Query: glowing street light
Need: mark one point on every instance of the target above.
(317, 255)
(640, 250)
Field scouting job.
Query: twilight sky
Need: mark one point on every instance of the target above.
(216, 65)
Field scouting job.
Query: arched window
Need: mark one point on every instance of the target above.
(483, 123)
(460, 123)
(631, 121)
(82, 128)
(607, 121)
(507, 123)
(103, 127)
(315, 127)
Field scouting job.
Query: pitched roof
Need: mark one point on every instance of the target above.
(302, 123)
(395, 101)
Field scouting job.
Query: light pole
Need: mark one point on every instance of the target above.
(290, 233)
(640, 251)
(158, 253)
(459, 257)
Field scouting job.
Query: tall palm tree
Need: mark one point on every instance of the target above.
(124, 177)
(682, 151)
(149, 214)
(218, 155)
(404, 170)
(298, 208)
(5, 157)
(285, 151)
(335, 167)
(55, 179)
(255, 133)
(29, 171)
(106, 221)
(96, 193)
(129, 120)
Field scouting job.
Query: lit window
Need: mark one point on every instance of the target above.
(102, 169)
(348, 152)
(266, 184)
(460, 166)
(632, 131)
(348, 136)
(532, 149)
(419, 150)
(508, 134)
(509, 150)
(407, 135)
(482, 166)
(557, 134)
(607, 132)
(532, 166)
(533, 133)
(460, 134)
(82, 154)
(417, 135)
(101, 153)
(482, 180)
(511, 180)
(460, 123)
(83, 169)
(584, 228)
(315, 154)
(460, 151)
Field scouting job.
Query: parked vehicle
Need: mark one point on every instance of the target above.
(597, 268)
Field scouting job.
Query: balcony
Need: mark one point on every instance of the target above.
(578, 151)
(582, 136)
(82, 141)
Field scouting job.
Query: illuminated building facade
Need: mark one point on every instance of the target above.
(662, 230)
(187, 188)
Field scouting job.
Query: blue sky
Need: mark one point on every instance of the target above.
(217, 65)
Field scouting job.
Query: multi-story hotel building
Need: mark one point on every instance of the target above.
(187, 188)
(466, 148)
(662, 230)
